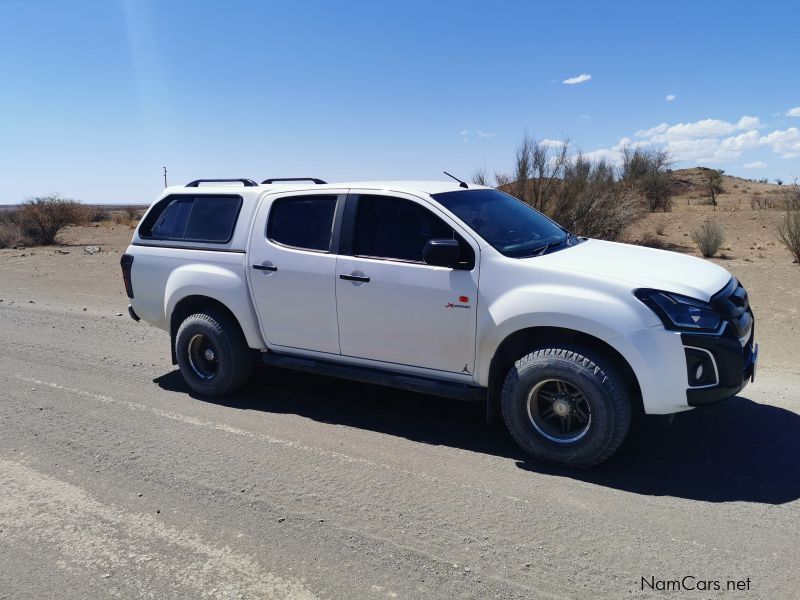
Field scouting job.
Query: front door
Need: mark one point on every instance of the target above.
(392, 306)
(292, 270)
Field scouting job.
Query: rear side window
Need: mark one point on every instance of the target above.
(304, 222)
(209, 219)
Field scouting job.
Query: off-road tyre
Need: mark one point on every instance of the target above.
(605, 393)
(233, 362)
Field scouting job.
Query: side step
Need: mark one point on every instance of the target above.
(403, 381)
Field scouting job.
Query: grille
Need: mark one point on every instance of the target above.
(733, 304)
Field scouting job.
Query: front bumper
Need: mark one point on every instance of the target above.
(735, 365)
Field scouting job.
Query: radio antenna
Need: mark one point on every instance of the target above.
(462, 184)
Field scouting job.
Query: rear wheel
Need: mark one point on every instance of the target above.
(566, 406)
(212, 353)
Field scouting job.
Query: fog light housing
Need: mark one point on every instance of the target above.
(701, 368)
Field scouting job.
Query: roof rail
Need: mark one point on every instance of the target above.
(244, 182)
(274, 179)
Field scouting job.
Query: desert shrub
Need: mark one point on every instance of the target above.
(789, 227)
(480, 176)
(761, 202)
(11, 235)
(651, 240)
(42, 219)
(789, 233)
(589, 201)
(647, 169)
(660, 228)
(709, 238)
(132, 212)
(581, 194)
(97, 214)
(125, 220)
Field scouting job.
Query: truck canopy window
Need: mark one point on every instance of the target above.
(193, 218)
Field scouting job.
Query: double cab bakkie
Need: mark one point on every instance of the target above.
(443, 288)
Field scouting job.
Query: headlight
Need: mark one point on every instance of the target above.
(680, 312)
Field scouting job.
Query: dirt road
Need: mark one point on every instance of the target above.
(115, 482)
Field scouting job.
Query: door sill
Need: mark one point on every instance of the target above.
(393, 379)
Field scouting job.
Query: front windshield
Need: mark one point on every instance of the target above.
(510, 226)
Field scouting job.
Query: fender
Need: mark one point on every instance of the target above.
(224, 283)
(600, 313)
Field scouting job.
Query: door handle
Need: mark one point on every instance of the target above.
(265, 267)
(361, 278)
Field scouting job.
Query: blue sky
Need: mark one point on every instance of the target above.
(95, 96)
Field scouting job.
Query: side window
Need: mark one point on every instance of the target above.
(212, 219)
(209, 219)
(302, 222)
(172, 222)
(398, 229)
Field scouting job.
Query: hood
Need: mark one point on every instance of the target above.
(641, 267)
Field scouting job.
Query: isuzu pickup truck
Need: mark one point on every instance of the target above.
(444, 288)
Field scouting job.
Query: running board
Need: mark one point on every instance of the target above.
(403, 381)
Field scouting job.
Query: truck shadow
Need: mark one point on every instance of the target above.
(735, 451)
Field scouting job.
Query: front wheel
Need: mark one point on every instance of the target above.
(563, 405)
(212, 353)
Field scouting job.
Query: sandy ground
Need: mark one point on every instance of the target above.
(116, 482)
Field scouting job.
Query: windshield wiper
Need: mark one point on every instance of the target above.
(539, 250)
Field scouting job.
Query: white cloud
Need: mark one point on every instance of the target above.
(610, 155)
(703, 129)
(646, 133)
(784, 142)
(699, 129)
(671, 97)
(708, 141)
(746, 123)
(741, 141)
(466, 134)
(578, 79)
(552, 143)
(586, 116)
(793, 112)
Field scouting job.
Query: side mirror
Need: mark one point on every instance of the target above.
(442, 253)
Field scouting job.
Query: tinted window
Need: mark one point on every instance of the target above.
(171, 224)
(302, 222)
(389, 227)
(511, 226)
(212, 219)
(193, 218)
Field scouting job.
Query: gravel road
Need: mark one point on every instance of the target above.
(116, 482)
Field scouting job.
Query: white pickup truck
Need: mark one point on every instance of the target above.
(444, 288)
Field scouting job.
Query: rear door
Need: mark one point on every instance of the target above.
(292, 269)
(392, 306)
